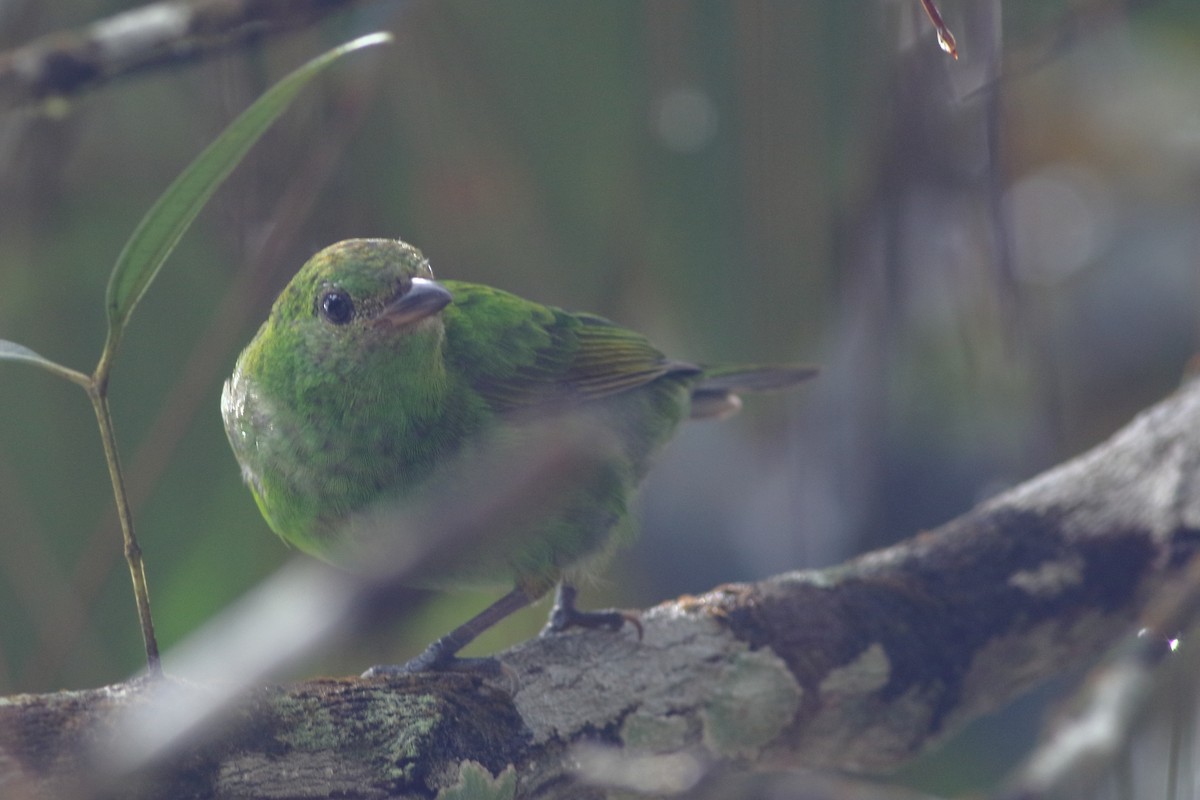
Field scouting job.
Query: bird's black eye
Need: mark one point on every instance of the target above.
(336, 306)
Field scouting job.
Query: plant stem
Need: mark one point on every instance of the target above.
(66, 372)
(97, 392)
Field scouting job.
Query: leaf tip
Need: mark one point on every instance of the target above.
(370, 40)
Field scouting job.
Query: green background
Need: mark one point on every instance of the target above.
(994, 260)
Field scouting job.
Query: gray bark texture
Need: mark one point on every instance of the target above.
(856, 668)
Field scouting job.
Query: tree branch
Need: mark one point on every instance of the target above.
(64, 64)
(1093, 730)
(859, 667)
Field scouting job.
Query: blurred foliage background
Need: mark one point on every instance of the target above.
(994, 260)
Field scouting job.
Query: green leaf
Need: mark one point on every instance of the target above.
(11, 351)
(161, 228)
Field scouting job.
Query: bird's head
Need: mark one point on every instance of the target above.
(357, 303)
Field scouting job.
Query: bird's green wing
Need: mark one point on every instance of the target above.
(520, 356)
(608, 358)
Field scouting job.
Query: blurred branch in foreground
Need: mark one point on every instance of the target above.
(64, 64)
(857, 668)
(501, 488)
(1089, 739)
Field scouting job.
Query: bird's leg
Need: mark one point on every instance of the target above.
(564, 615)
(442, 654)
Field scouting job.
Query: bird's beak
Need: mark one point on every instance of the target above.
(423, 299)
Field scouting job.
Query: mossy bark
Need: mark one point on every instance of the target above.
(854, 668)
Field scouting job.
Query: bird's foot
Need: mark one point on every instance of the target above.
(564, 616)
(440, 657)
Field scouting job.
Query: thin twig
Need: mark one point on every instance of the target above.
(945, 37)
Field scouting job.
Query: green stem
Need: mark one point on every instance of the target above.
(97, 392)
(68, 373)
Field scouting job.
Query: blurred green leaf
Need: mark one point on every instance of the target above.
(11, 351)
(165, 223)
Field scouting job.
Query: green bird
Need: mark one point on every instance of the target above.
(369, 378)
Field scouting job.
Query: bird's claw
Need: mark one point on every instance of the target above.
(565, 615)
(564, 618)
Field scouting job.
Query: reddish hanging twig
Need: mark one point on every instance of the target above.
(945, 37)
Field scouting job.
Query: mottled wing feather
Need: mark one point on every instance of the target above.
(610, 359)
(539, 355)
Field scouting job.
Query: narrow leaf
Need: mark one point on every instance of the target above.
(161, 228)
(11, 351)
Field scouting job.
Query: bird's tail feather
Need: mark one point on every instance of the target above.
(716, 395)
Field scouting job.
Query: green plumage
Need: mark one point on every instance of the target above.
(368, 378)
